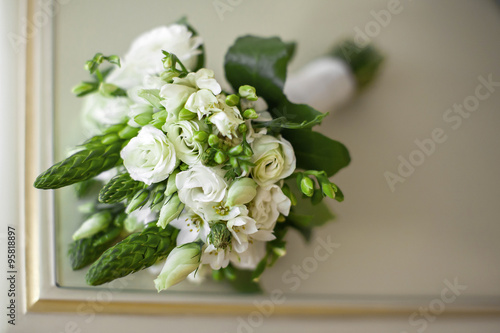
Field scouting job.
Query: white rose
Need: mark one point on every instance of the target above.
(181, 135)
(144, 56)
(201, 184)
(100, 112)
(274, 159)
(149, 157)
(267, 206)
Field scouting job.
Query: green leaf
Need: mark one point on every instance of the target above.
(365, 62)
(314, 151)
(290, 48)
(297, 113)
(261, 63)
(283, 122)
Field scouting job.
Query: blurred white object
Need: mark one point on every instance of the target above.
(326, 84)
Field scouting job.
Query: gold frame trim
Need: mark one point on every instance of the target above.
(32, 213)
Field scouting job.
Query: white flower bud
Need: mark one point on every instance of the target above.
(241, 192)
(93, 225)
(181, 262)
(170, 210)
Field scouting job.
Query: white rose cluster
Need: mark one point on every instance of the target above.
(200, 123)
(206, 170)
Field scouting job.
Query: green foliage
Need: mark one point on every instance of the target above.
(365, 61)
(119, 188)
(314, 151)
(136, 252)
(85, 164)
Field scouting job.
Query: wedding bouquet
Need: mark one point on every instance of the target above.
(202, 179)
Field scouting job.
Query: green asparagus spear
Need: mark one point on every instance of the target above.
(119, 188)
(137, 251)
(95, 158)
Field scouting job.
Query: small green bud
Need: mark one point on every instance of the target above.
(109, 138)
(144, 118)
(248, 92)
(128, 132)
(250, 114)
(108, 88)
(139, 200)
(114, 128)
(93, 225)
(171, 187)
(115, 60)
(220, 157)
(232, 100)
(200, 136)
(219, 235)
(213, 140)
(158, 194)
(170, 211)
(327, 189)
(160, 115)
(242, 128)
(307, 186)
(281, 218)
(185, 114)
(84, 88)
(247, 151)
(167, 60)
(169, 75)
(158, 123)
(279, 251)
(234, 162)
(91, 66)
(98, 58)
(236, 150)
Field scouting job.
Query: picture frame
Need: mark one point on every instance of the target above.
(43, 294)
